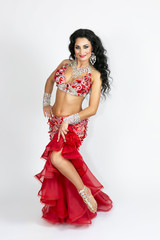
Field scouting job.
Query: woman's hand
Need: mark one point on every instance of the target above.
(63, 130)
(47, 110)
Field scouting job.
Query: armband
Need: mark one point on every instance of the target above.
(46, 99)
(72, 119)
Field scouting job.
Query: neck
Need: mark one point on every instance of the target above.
(82, 64)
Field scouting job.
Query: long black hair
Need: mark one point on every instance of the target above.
(101, 59)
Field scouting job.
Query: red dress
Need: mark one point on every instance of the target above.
(62, 202)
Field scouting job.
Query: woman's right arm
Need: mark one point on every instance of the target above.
(47, 109)
(50, 80)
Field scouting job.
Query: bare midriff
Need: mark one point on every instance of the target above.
(66, 103)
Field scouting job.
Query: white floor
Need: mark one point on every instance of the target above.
(135, 215)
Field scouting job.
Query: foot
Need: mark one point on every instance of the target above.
(88, 199)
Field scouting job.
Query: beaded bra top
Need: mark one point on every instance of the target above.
(78, 87)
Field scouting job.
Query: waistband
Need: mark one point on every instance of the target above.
(61, 118)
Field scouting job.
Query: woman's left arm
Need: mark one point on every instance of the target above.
(93, 102)
(87, 112)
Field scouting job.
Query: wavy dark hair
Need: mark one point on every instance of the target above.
(101, 63)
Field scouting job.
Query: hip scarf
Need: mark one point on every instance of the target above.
(62, 202)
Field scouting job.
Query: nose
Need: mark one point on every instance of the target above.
(82, 53)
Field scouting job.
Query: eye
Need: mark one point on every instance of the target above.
(77, 47)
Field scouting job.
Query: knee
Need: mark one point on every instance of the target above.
(55, 158)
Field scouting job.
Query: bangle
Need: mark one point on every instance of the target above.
(46, 99)
(72, 119)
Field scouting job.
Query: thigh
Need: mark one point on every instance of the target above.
(56, 157)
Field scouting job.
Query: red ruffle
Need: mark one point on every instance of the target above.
(63, 204)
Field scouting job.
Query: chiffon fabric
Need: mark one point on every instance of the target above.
(62, 202)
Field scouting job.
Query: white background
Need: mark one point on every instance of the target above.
(122, 147)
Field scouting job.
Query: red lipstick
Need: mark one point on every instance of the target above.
(82, 56)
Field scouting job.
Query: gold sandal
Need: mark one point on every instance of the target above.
(88, 198)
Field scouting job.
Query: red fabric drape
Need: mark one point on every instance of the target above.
(62, 202)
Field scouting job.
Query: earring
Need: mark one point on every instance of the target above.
(75, 56)
(92, 58)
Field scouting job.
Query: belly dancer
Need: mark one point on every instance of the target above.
(69, 190)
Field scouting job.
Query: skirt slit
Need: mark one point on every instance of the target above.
(62, 202)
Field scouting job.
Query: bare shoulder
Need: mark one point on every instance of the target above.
(66, 61)
(96, 76)
(62, 63)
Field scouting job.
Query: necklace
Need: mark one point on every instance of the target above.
(78, 71)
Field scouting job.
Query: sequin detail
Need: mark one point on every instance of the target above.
(80, 128)
(79, 87)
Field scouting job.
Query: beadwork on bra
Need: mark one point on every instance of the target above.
(78, 87)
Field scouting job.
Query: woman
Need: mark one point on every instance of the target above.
(70, 192)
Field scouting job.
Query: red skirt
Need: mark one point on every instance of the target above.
(62, 202)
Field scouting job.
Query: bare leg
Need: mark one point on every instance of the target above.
(67, 169)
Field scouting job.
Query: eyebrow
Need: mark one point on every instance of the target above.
(83, 45)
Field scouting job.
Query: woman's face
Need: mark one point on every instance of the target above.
(82, 49)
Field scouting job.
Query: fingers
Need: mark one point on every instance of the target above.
(47, 110)
(48, 115)
(51, 113)
(65, 131)
(59, 132)
(62, 135)
(58, 136)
